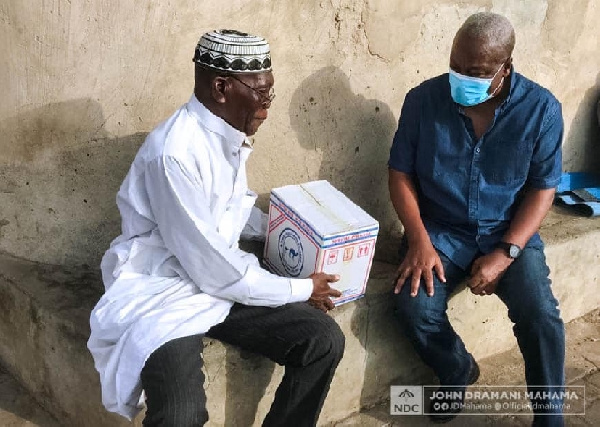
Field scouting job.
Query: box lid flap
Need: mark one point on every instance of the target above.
(325, 208)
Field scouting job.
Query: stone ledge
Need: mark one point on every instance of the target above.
(44, 313)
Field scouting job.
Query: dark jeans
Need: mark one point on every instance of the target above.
(525, 290)
(305, 340)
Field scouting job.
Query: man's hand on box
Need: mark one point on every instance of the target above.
(321, 287)
(322, 291)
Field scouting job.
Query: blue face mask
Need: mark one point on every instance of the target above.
(469, 91)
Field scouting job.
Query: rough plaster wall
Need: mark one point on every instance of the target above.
(84, 81)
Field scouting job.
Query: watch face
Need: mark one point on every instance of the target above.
(514, 251)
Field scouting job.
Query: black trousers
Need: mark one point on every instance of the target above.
(303, 339)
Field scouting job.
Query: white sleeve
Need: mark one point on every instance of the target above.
(256, 227)
(187, 227)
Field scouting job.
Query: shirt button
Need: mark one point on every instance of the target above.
(477, 150)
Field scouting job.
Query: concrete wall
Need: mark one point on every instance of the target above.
(82, 82)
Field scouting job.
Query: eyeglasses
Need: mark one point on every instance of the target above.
(266, 99)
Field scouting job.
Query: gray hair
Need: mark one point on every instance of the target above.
(493, 29)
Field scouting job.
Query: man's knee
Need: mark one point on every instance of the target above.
(323, 339)
(419, 311)
(537, 315)
(526, 290)
(331, 339)
(538, 311)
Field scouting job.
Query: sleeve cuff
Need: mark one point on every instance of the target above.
(400, 168)
(544, 184)
(301, 289)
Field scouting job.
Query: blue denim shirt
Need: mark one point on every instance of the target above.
(469, 188)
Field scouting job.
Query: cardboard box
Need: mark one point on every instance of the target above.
(315, 228)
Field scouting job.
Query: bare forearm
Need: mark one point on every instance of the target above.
(421, 260)
(529, 216)
(405, 201)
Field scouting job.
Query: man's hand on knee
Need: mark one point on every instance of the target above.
(421, 260)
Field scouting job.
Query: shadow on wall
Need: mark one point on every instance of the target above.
(59, 174)
(584, 134)
(35, 134)
(354, 136)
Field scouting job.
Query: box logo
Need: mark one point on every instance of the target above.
(290, 252)
(406, 400)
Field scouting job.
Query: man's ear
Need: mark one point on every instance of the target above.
(507, 67)
(219, 89)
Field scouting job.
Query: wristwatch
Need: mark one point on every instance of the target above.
(513, 251)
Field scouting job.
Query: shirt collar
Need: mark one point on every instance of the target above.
(216, 124)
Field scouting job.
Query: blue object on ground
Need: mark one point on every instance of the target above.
(580, 191)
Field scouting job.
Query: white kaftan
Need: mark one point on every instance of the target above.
(176, 269)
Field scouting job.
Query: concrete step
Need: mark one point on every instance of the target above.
(44, 312)
(18, 408)
(582, 368)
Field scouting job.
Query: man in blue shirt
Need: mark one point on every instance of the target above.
(472, 173)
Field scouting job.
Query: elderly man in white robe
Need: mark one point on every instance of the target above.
(176, 273)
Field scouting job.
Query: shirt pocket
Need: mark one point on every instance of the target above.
(507, 161)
